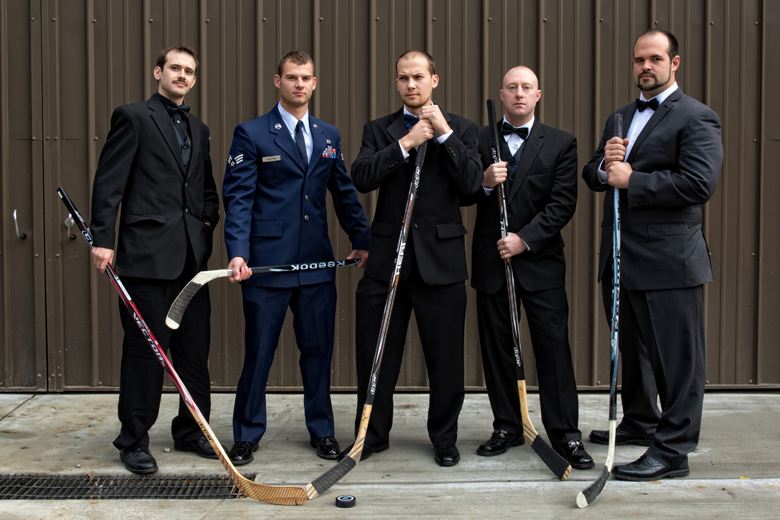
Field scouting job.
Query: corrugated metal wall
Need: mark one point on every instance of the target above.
(65, 65)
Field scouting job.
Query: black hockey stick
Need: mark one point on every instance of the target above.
(335, 474)
(590, 493)
(281, 495)
(179, 305)
(557, 464)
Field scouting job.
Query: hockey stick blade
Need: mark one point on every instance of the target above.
(557, 464)
(179, 305)
(279, 495)
(588, 495)
(337, 472)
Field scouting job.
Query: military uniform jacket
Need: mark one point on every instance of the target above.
(276, 212)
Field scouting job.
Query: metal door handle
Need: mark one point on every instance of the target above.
(69, 222)
(16, 223)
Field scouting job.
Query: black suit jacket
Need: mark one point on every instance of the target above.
(162, 204)
(451, 169)
(676, 162)
(542, 200)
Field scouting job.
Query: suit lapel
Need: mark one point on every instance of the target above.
(397, 128)
(163, 121)
(283, 139)
(318, 138)
(531, 147)
(659, 114)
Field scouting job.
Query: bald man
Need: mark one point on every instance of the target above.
(540, 180)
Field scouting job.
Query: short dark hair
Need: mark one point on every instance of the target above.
(673, 50)
(162, 58)
(431, 63)
(298, 57)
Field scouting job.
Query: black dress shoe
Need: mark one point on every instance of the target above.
(446, 455)
(499, 442)
(242, 453)
(368, 449)
(575, 453)
(201, 447)
(138, 460)
(621, 437)
(327, 447)
(647, 468)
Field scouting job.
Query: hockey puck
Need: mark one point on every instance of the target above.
(345, 501)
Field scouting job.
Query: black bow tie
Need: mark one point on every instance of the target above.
(642, 105)
(173, 108)
(521, 132)
(410, 120)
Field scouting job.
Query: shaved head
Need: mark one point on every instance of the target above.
(511, 73)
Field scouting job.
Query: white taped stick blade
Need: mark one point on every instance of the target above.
(171, 324)
(346, 501)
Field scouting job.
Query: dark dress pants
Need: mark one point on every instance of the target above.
(440, 311)
(638, 393)
(547, 313)
(314, 312)
(142, 374)
(670, 324)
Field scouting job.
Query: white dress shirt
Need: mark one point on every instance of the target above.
(291, 122)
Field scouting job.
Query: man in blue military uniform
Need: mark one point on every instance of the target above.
(279, 169)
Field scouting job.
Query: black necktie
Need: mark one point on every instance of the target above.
(410, 120)
(521, 132)
(642, 105)
(301, 144)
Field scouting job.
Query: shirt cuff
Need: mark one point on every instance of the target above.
(488, 191)
(444, 137)
(602, 174)
(404, 152)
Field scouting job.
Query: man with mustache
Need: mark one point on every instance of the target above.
(156, 164)
(540, 178)
(665, 169)
(280, 169)
(433, 271)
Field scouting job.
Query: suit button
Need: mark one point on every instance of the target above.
(186, 210)
(186, 184)
(306, 218)
(415, 226)
(305, 197)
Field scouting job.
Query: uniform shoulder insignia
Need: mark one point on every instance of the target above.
(235, 161)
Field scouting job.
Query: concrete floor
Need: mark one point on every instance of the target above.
(734, 472)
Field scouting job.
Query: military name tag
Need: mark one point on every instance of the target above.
(272, 158)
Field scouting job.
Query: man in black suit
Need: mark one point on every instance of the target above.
(156, 164)
(665, 168)
(434, 267)
(540, 176)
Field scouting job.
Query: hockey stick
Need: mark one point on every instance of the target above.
(179, 305)
(557, 464)
(335, 474)
(280, 495)
(590, 493)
